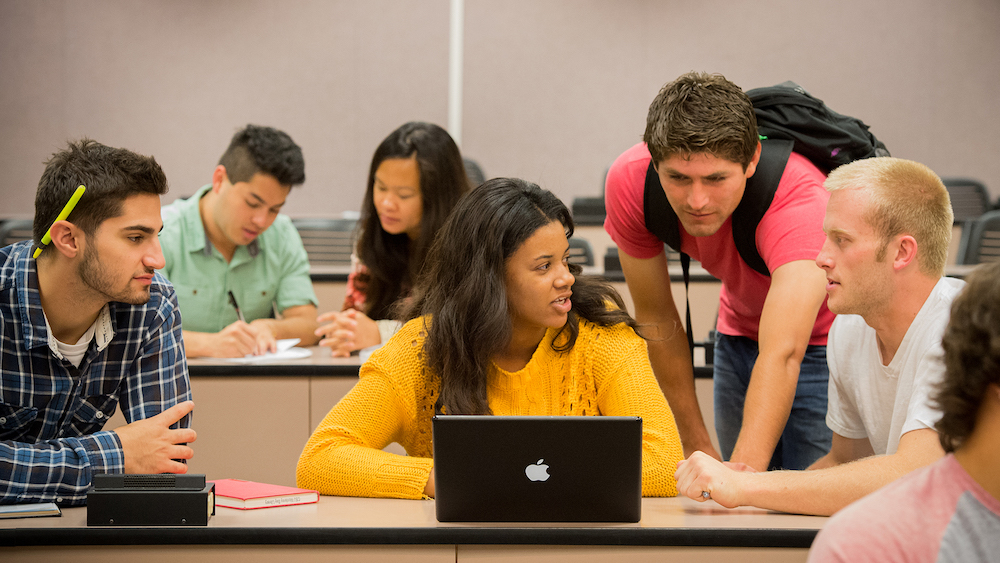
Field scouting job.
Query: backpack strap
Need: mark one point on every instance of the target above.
(659, 216)
(662, 221)
(757, 199)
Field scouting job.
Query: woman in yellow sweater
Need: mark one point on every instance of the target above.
(500, 324)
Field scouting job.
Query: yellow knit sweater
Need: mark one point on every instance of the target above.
(606, 373)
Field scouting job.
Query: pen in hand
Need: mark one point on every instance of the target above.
(232, 300)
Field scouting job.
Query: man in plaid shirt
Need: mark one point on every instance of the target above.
(86, 326)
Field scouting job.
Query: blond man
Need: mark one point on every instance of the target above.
(888, 225)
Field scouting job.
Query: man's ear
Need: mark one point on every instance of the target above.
(67, 239)
(219, 177)
(905, 251)
(752, 166)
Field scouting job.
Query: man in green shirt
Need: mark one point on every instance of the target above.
(228, 237)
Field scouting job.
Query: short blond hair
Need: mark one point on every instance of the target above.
(905, 197)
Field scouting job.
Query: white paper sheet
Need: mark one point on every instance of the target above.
(286, 351)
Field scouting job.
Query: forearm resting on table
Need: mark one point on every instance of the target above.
(825, 491)
(347, 469)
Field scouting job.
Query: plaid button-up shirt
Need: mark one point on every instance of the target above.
(51, 412)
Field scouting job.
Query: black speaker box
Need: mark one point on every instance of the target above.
(150, 500)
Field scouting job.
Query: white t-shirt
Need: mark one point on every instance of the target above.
(879, 402)
(74, 353)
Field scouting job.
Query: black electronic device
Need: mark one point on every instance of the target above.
(150, 500)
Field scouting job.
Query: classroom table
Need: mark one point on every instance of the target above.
(355, 529)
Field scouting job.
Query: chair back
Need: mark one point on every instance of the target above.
(15, 230)
(983, 242)
(474, 172)
(580, 252)
(969, 198)
(328, 242)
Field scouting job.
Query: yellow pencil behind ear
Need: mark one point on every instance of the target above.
(61, 217)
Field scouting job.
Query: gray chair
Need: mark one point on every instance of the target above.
(328, 242)
(983, 243)
(590, 211)
(474, 172)
(580, 252)
(15, 230)
(969, 198)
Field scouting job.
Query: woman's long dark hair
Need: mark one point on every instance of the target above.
(462, 288)
(393, 261)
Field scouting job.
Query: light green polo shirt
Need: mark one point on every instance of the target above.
(271, 273)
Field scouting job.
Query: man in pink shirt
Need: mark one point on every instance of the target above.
(701, 148)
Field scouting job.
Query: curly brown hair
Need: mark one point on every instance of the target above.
(971, 355)
(701, 113)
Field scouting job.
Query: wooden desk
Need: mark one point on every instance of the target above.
(353, 529)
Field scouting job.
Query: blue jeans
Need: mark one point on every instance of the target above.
(806, 436)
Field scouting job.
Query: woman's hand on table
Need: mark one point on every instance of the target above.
(346, 331)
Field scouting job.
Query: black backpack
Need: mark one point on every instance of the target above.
(788, 119)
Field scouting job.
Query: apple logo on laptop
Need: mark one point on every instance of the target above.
(537, 471)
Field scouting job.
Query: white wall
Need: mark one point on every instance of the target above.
(554, 90)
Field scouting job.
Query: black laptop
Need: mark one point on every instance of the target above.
(538, 469)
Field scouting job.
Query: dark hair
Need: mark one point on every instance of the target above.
(110, 175)
(393, 261)
(463, 297)
(267, 150)
(971, 355)
(701, 113)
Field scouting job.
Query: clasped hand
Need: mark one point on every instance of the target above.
(347, 331)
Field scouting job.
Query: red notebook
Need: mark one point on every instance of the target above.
(245, 495)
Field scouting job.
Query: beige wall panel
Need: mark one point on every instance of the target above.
(704, 390)
(330, 295)
(250, 428)
(176, 79)
(556, 90)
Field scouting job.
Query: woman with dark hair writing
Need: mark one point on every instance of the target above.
(500, 324)
(415, 180)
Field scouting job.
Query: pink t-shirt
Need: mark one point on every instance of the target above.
(792, 229)
(937, 513)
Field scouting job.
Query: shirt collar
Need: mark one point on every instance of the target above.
(103, 332)
(34, 325)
